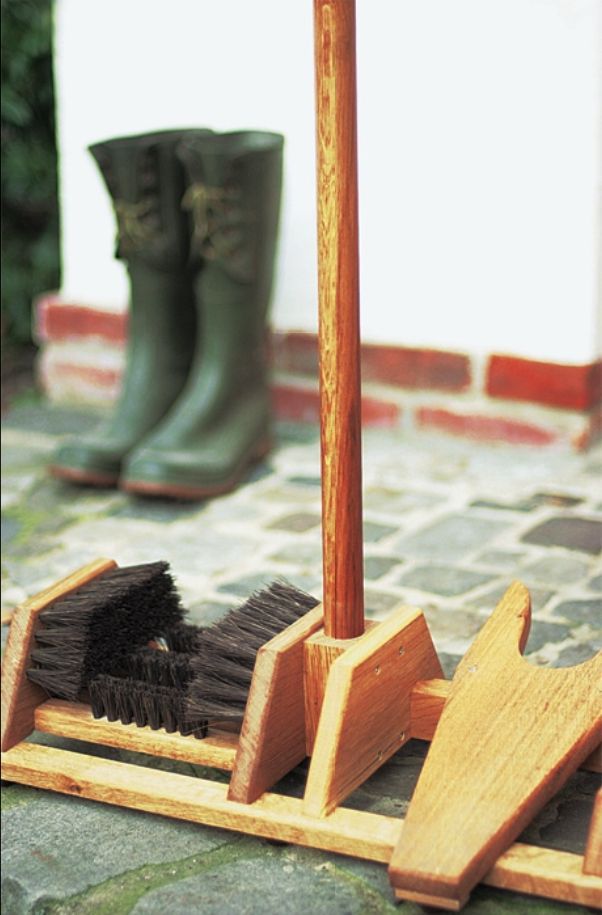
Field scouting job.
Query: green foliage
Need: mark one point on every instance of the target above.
(30, 246)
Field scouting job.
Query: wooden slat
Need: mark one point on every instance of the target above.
(198, 800)
(592, 861)
(545, 872)
(75, 720)
(523, 868)
(366, 710)
(272, 737)
(19, 696)
(319, 654)
(428, 700)
(509, 737)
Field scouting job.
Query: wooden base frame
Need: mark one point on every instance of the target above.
(380, 692)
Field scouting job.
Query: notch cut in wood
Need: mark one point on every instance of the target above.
(509, 737)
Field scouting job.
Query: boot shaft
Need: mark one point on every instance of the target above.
(146, 182)
(233, 193)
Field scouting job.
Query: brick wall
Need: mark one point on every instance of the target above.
(495, 398)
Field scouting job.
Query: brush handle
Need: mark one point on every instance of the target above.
(339, 338)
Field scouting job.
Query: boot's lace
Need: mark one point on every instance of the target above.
(134, 224)
(217, 222)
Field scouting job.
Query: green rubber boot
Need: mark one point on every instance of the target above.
(146, 181)
(220, 424)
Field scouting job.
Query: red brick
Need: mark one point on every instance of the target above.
(295, 352)
(485, 428)
(89, 374)
(395, 365)
(573, 387)
(57, 322)
(296, 404)
(303, 405)
(416, 368)
(379, 412)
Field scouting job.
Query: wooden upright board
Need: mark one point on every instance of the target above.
(509, 736)
(366, 714)
(272, 738)
(20, 697)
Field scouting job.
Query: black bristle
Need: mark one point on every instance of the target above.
(90, 631)
(183, 637)
(144, 704)
(163, 668)
(223, 663)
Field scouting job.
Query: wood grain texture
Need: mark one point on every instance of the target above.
(545, 872)
(509, 737)
(366, 710)
(592, 862)
(272, 737)
(523, 868)
(75, 720)
(338, 293)
(198, 800)
(428, 701)
(19, 696)
(319, 654)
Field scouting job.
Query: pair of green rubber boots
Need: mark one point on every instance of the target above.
(197, 216)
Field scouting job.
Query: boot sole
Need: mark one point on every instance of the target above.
(85, 477)
(196, 493)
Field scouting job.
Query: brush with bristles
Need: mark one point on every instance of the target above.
(148, 690)
(205, 676)
(222, 664)
(92, 630)
(93, 644)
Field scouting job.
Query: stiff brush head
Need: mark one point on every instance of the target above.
(222, 665)
(91, 630)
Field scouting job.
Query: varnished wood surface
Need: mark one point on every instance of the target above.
(428, 701)
(19, 696)
(366, 709)
(75, 720)
(523, 868)
(272, 738)
(198, 800)
(509, 736)
(339, 335)
(319, 654)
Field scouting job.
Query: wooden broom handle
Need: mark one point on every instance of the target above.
(339, 339)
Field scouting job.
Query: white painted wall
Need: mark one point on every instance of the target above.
(479, 154)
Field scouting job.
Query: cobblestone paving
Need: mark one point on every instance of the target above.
(448, 526)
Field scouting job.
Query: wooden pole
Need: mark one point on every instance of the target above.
(338, 286)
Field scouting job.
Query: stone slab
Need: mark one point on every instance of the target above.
(571, 533)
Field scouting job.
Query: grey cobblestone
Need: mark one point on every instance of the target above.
(53, 847)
